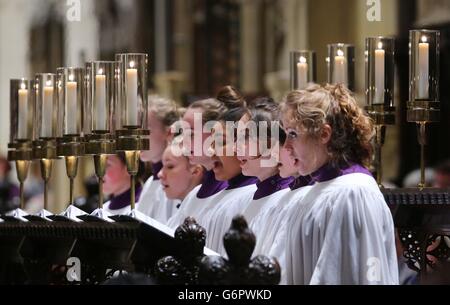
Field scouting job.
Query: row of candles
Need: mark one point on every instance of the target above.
(97, 110)
(379, 60)
(423, 106)
(77, 101)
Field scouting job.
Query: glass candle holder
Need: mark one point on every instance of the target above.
(102, 99)
(424, 65)
(341, 69)
(46, 118)
(302, 69)
(379, 53)
(21, 110)
(71, 92)
(132, 90)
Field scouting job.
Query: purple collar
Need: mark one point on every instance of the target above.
(300, 182)
(328, 172)
(156, 167)
(271, 185)
(210, 186)
(123, 200)
(241, 181)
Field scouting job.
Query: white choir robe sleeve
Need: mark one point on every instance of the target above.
(346, 236)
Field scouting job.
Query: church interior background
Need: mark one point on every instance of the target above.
(197, 46)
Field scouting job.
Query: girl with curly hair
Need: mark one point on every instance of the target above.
(342, 231)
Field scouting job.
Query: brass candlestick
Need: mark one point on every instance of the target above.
(380, 92)
(71, 91)
(131, 141)
(21, 153)
(423, 106)
(132, 133)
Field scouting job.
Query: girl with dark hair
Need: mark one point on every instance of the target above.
(226, 166)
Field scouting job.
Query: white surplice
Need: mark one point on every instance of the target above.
(270, 226)
(216, 218)
(342, 233)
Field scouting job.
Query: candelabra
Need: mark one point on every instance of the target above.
(379, 58)
(423, 105)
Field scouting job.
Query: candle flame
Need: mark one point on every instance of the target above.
(48, 83)
(71, 77)
(22, 86)
(424, 39)
(302, 60)
(131, 64)
(340, 53)
(327, 59)
(100, 71)
(380, 45)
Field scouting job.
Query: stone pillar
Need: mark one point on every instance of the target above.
(250, 45)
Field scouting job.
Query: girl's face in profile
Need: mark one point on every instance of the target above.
(309, 153)
(225, 163)
(176, 175)
(253, 162)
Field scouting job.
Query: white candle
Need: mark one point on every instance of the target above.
(47, 111)
(302, 73)
(23, 113)
(424, 61)
(340, 69)
(100, 101)
(71, 106)
(379, 74)
(132, 95)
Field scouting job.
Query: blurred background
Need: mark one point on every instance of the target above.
(197, 46)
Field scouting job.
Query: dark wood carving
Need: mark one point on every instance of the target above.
(239, 268)
(183, 268)
(422, 219)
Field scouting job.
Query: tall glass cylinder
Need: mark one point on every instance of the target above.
(302, 69)
(341, 69)
(380, 72)
(21, 110)
(424, 65)
(133, 90)
(71, 91)
(102, 96)
(87, 99)
(46, 118)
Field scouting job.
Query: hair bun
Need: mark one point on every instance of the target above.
(231, 98)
